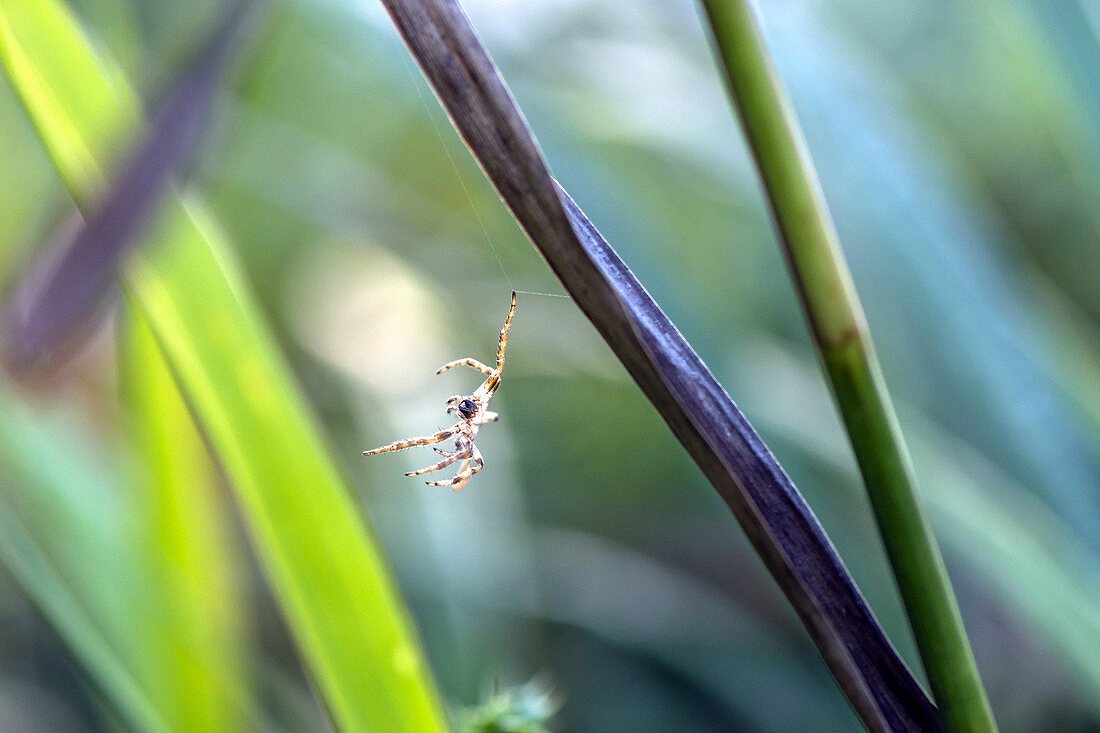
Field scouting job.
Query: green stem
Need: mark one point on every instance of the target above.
(840, 330)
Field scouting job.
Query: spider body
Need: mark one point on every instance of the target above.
(472, 412)
(467, 409)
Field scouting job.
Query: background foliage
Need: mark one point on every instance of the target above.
(958, 147)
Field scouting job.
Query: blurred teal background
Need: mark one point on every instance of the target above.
(959, 148)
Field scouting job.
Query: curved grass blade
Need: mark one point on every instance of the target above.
(192, 656)
(328, 576)
(704, 418)
(68, 290)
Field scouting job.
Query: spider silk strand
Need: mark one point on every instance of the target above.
(462, 182)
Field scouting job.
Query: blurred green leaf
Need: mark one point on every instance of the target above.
(338, 599)
(193, 656)
(1030, 557)
(328, 576)
(1034, 560)
(43, 56)
(63, 531)
(957, 331)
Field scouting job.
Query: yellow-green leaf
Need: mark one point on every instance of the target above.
(328, 576)
(190, 633)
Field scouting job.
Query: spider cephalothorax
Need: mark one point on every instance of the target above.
(472, 414)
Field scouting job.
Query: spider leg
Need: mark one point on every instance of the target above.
(469, 471)
(403, 444)
(504, 334)
(488, 416)
(489, 387)
(451, 458)
(472, 363)
(465, 472)
(463, 468)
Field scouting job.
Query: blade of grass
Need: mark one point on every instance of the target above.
(723, 444)
(192, 651)
(840, 331)
(327, 573)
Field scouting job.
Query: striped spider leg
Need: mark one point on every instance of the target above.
(472, 412)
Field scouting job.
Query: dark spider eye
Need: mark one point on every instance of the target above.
(467, 409)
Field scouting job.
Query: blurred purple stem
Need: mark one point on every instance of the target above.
(68, 284)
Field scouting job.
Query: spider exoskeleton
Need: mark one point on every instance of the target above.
(472, 414)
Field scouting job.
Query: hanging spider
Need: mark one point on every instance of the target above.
(472, 414)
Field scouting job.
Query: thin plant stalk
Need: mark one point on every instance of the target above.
(840, 329)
